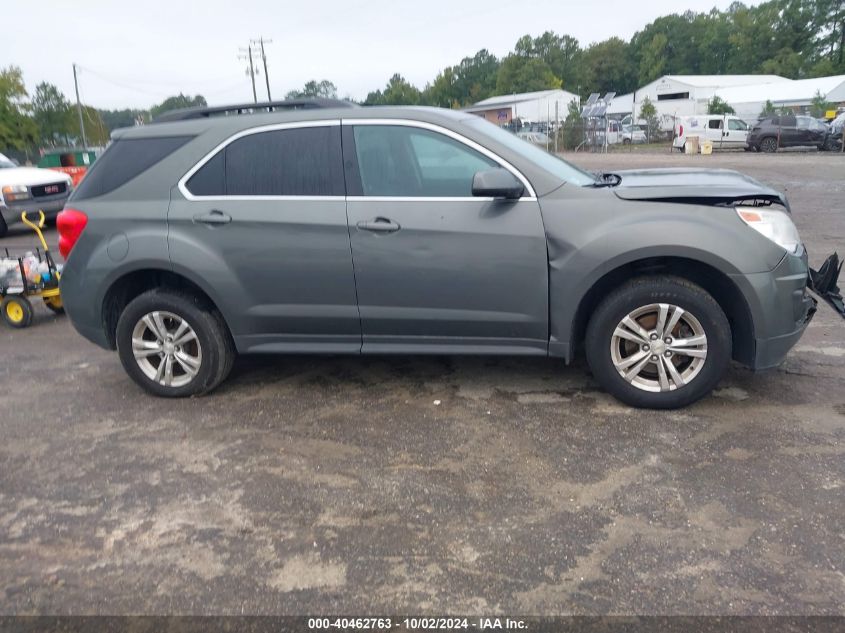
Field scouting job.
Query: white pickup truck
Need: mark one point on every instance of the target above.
(725, 131)
(30, 189)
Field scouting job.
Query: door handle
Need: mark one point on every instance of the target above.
(378, 225)
(213, 217)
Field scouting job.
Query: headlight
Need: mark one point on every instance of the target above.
(15, 192)
(775, 225)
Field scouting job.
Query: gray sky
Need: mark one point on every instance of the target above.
(136, 54)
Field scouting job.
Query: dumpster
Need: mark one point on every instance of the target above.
(74, 163)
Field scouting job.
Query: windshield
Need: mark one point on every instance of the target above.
(5, 163)
(549, 162)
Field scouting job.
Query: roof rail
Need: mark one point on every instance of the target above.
(202, 112)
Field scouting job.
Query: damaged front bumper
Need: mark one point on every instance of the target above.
(823, 283)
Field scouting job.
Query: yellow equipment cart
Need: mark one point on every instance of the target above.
(25, 276)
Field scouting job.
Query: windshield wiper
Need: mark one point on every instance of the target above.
(606, 180)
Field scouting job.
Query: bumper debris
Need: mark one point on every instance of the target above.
(823, 283)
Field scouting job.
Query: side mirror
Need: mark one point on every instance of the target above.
(497, 183)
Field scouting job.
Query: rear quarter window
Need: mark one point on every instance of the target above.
(124, 160)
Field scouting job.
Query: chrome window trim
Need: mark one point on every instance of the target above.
(529, 196)
(433, 127)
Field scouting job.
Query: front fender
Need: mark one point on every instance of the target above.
(585, 245)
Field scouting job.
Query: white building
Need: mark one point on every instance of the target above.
(529, 106)
(749, 101)
(680, 95)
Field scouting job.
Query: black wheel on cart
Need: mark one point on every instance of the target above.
(17, 311)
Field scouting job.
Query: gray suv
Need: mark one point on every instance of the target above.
(317, 227)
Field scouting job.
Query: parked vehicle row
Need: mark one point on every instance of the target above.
(338, 229)
(726, 131)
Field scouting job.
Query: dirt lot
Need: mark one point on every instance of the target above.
(320, 485)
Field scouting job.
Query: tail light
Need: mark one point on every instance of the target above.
(680, 130)
(70, 224)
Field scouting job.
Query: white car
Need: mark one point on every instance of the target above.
(725, 131)
(633, 134)
(30, 189)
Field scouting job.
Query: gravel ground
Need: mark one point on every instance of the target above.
(429, 485)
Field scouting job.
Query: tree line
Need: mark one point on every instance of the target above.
(792, 38)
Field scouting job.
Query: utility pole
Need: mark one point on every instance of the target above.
(79, 111)
(251, 70)
(261, 41)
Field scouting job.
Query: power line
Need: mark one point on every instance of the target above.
(158, 95)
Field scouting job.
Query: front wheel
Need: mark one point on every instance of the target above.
(658, 343)
(769, 144)
(173, 345)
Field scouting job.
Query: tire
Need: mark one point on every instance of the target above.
(640, 300)
(198, 365)
(626, 141)
(768, 144)
(17, 311)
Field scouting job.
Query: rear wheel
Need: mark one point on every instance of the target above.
(173, 345)
(769, 144)
(659, 343)
(17, 311)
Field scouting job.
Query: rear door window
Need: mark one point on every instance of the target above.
(303, 161)
(715, 124)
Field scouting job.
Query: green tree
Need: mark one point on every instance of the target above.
(819, 105)
(96, 131)
(397, 92)
(52, 113)
(314, 89)
(18, 129)
(653, 58)
(176, 102)
(768, 110)
(525, 74)
(573, 126)
(649, 113)
(717, 105)
(609, 67)
(114, 119)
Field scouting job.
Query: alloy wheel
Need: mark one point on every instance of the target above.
(166, 348)
(769, 145)
(659, 347)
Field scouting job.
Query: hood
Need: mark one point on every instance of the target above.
(30, 176)
(694, 186)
